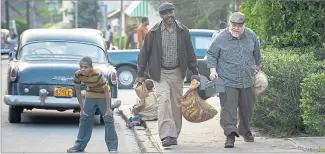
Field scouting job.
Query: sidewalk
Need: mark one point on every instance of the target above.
(208, 137)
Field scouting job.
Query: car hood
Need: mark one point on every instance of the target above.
(53, 72)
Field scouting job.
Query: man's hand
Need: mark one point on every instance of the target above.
(213, 74)
(258, 68)
(109, 112)
(139, 80)
(196, 77)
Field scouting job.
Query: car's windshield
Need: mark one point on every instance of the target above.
(60, 51)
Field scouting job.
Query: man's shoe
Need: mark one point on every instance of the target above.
(230, 141)
(248, 137)
(174, 141)
(74, 150)
(166, 142)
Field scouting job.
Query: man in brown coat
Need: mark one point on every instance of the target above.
(168, 52)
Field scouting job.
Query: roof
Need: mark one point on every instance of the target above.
(137, 9)
(32, 35)
(111, 14)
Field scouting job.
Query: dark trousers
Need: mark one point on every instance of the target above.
(231, 100)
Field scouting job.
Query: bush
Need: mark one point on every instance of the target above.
(319, 52)
(21, 25)
(313, 103)
(48, 25)
(277, 111)
(286, 23)
(116, 40)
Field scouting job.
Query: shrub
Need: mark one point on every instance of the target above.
(277, 111)
(48, 25)
(313, 103)
(116, 40)
(286, 23)
(21, 25)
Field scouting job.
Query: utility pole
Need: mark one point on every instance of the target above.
(27, 14)
(7, 13)
(76, 13)
(105, 17)
(121, 24)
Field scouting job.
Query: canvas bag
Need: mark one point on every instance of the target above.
(261, 83)
(141, 90)
(194, 108)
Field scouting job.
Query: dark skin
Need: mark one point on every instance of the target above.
(168, 17)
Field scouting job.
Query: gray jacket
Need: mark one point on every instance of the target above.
(235, 59)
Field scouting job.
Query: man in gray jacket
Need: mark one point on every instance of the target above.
(168, 52)
(234, 56)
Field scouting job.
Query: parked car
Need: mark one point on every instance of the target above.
(201, 40)
(40, 75)
(125, 61)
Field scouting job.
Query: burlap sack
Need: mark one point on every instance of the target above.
(261, 83)
(141, 90)
(194, 108)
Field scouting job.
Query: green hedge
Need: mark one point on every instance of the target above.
(313, 104)
(286, 23)
(277, 111)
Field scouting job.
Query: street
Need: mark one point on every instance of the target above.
(54, 131)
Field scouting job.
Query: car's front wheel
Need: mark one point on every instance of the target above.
(126, 77)
(14, 114)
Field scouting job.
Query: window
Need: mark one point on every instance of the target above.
(61, 51)
(202, 42)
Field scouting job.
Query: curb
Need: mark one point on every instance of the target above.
(304, 147)
(143, 139)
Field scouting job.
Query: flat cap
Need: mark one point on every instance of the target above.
(166, 6)
(237, 17)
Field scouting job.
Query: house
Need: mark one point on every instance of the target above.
(133, 12)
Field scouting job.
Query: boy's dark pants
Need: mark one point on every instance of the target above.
(242, 99)
(87, 121)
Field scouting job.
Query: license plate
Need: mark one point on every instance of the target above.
(63, 92)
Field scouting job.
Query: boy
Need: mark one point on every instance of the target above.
(97, 96)
(145, 109)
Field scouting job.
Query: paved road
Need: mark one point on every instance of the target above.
(53, 131)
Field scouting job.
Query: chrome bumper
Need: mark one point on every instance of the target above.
(35, 101)
(5, 51)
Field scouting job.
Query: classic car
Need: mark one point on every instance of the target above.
(125, 60)
(40, 75)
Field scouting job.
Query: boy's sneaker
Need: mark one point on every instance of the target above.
(74, 150)
(112, 150)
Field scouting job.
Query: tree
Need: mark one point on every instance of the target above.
(287, 23)
(88, 15)
(200, 13)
